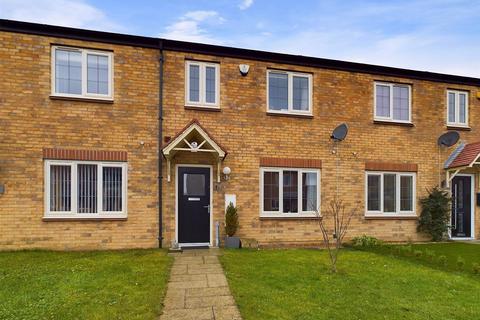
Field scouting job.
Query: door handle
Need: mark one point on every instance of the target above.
(208, 208)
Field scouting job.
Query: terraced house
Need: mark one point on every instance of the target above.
(119, 141)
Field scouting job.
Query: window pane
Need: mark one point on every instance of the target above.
(271, 191)
(97, 74)
(406, 193)
(451, 107)
(194, 83)
(277, 91)
(210, 84)
(400, 103)
(462, 108)
(60, 188)
(68, 71)
(383, 101)
(389, 193)
(290, 191)
(193, 184)
(300, 93)
(112, 189)
(373, 190)
(309, 191)
(87, 188)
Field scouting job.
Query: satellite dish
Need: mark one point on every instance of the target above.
(340, 132)
(448, 139)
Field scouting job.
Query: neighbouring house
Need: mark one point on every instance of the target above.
(117, 141)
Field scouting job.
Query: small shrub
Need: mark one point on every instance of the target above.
(435, 215)
(231, 220)
(366, 241)
(406, 250)
(460, 263)
(418, 254)
(442, 260)
(430, 255)
(476, 268)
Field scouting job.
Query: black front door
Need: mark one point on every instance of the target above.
(193, 205)
(461, 206)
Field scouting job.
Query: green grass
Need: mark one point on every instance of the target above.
(82, 285)
(452, 250)
(297, 284)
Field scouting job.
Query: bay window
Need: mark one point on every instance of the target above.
(289, 191)
(85, 189)
(390, 193)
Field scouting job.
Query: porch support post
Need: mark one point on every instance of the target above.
(219, 164)
(168, 169)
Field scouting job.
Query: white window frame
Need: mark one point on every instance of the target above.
(290, 75)
(390, 118)
(84, 94)
(202, 84)
(280, 213)
(73, 213)
(457, 94)
(398, 213)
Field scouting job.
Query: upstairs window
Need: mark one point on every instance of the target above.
(289, 92)
(392, 102)
(390, 193)
(202, 84)
(82, 73)
(85, 189)
(457, 108)
(289, 191)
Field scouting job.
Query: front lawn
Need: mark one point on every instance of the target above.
(469, 252)
(82, 285)
(297, 284)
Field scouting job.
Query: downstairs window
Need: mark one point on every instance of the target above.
(390, 193)
(287, 191)
(85, 189)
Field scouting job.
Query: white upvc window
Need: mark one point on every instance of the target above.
(289, 192)
(392, 102)
(202, 84)
(82, 73)
(390, 193)
(85, 189)
(457, 108)
(289, 92)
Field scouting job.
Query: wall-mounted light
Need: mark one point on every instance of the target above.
(244, 69)
(226, 173)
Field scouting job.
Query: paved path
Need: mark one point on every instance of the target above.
(198, 288)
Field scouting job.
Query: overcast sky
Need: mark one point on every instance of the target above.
(433, 35)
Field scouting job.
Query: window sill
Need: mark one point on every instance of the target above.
(390, 217)
(203, 108)
(290, 217)
(394, 123)
(458, 128)
(85, 99)
(73, 218)
(292, 115)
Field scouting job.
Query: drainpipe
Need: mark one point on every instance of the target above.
(160, 142)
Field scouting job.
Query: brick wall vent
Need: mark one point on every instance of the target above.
(87, 155)
(291, 163)
(388, 166)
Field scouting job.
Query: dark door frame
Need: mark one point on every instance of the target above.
(210, 167)
(472, 207)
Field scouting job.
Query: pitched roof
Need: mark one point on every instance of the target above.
(466, 157)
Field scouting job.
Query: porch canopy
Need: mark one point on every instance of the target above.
(464, 157)
(194, 138)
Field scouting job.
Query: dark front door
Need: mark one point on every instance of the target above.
(461, 206)
(193, 205)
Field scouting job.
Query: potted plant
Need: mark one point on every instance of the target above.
(231, 226)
